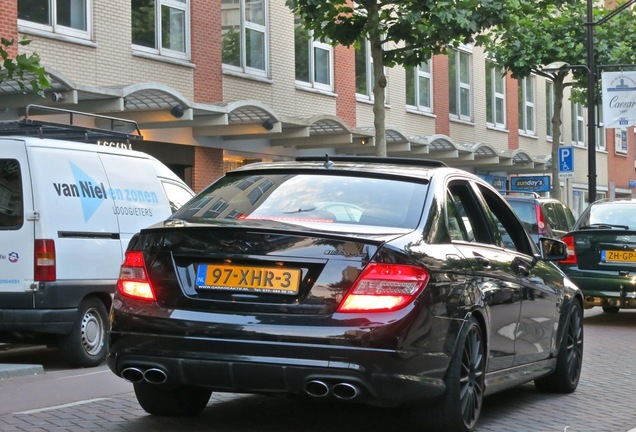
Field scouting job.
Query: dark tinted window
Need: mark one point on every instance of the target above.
(314, 198)
(11, 199)
(527, 212)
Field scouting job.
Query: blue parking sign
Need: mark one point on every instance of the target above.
(566, 159)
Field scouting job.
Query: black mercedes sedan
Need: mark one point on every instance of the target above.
(391, 282)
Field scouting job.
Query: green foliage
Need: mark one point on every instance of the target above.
(410, 31)
(529, 42)
(24, 69)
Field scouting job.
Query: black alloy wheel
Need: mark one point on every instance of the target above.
(461, 406)
(565, 377)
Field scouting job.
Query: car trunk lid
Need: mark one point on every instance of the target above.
(228, 268)
(605, 249)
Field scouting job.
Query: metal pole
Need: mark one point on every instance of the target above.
(591, 107)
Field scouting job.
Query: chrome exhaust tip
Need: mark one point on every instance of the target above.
(317, 389)
(155, 376)
(345, 391)
(132, 374)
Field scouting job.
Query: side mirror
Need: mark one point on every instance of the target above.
(552, 249)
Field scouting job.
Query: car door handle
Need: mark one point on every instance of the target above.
(484, 262)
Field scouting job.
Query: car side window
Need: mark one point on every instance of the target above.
(469, 212)
(510, 232)
(457, 229)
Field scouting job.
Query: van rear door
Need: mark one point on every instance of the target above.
(16, 226)
(139, 199)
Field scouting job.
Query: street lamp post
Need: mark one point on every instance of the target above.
(591, 84)
(591, 106)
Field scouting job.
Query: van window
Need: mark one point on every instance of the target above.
(11, 198)
(177, 195)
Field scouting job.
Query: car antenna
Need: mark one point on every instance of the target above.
(328, 163)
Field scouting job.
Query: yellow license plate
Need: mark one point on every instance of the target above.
(276, 280)
(618, 256)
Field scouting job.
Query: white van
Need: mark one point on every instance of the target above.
(67, 212)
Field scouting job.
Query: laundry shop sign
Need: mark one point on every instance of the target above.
(530, 184)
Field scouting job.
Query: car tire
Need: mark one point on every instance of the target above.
(461, 405)
(611, 309)
(86, 345)
(565, 377)
(183, 401)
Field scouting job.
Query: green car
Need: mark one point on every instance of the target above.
(602, 254)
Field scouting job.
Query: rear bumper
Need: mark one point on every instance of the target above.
(380, 376)
(294, 376)
(606, 289)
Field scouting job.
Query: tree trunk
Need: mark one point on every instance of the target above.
(379, 82)
(559, 85)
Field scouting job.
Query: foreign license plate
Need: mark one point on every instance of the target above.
(275, 280)
(618, 256)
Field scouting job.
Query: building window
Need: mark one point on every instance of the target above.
(244, 30)
(459, 75)
(314, 59)
(364, 70)
(526, 106)
(161, 27)
(601, 145)
(549, 110)
(495, 95)
(419, 87)
(578, 125)
(67, 17)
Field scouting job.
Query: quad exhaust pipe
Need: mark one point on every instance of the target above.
(150, 375)
(342, 390)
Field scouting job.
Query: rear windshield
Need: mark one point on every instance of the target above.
(611, 214)
(309, 198)
(527, 213)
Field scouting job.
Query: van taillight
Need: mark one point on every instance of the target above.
(133, 280)
(44, 263)
(384, 288)
(569, 242)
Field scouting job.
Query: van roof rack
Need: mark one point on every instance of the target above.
(74, 128)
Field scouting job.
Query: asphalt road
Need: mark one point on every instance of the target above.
(62, 399)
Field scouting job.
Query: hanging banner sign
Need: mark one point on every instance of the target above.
(619, 99)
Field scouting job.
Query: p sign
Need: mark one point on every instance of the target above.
(566, 161)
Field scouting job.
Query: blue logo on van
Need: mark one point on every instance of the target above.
(91, 193)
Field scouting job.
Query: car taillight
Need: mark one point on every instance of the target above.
(44, 262)
(384, 288)
(542, 229)
(569, 242)
(133, 280)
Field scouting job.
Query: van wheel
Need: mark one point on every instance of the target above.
(85, 346)
(183, 401)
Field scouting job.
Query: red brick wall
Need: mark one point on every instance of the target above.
(206, 50)
(440, 94)
(345, 83)
(208, 166)
(512, 112)
(9, 24)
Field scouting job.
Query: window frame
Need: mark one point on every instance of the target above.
(527, 102)
(417, 74)
(158, 49)
(493, 96)
(58, 29)
(368, 72)
(458, 86)
(245, 27)
(312, 46)
(549, 109)
(578, 124)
